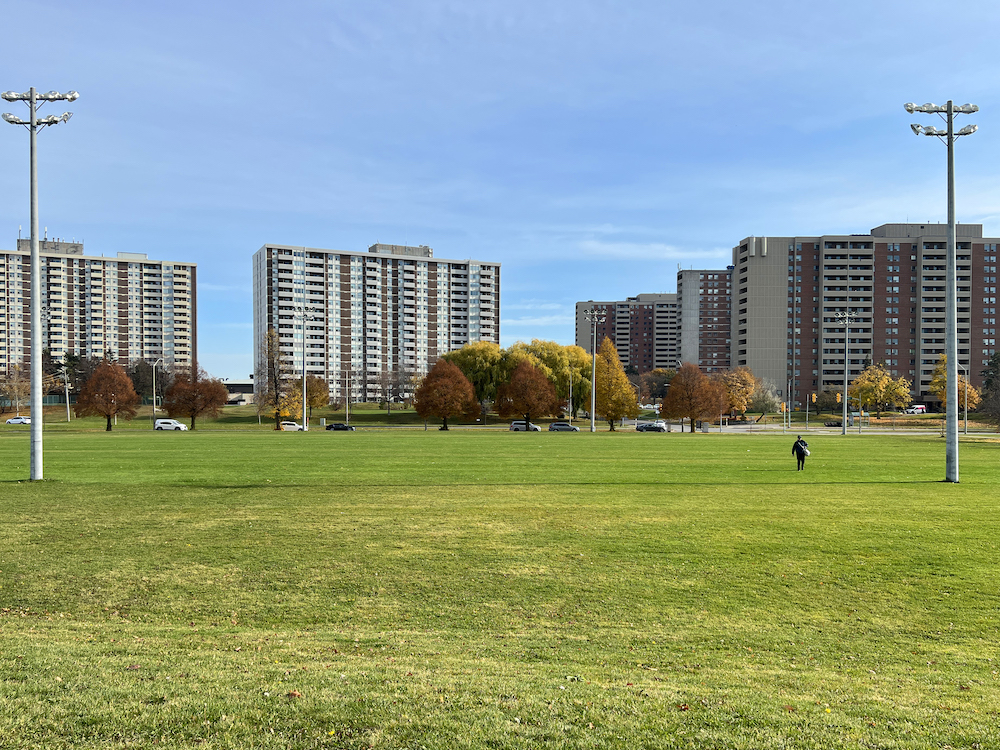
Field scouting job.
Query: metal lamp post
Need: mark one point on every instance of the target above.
(34, 100)
(845, 319)
(949, 136)
(594, 317)
(154, 390)
(965, 377)
(304, 315)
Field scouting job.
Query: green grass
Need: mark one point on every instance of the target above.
(489, 589)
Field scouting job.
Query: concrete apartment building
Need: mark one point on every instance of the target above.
(789, 289)
(134, 307)
(370, 316)
(643, 328)
(704, 299)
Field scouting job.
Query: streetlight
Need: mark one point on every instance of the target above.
(594, 317)
(34, 100)
(845, 318)
(947, 113)
(966, 378)
(304, 315)
(154, 390)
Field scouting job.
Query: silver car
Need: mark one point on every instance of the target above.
(520, 425)
(563, 427)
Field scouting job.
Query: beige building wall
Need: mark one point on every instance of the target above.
(761, 327)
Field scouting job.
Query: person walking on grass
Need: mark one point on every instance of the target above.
(801, 450)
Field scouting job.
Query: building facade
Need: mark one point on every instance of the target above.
(644, 329)
(704, 301)
(366, 319)
(129, 306)
(790, 289)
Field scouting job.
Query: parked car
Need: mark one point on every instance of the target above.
(169, 424)
(916, 409)
(519, 425)
(563, 427)
(340, 427)
(651, 427)
(19, 420)
(291, 427)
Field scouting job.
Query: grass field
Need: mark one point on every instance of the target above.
(489, 589)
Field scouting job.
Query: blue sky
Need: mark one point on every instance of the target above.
(590, 147)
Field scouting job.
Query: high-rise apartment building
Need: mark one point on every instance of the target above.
(644, 329)
(130, 306)
(704, 300)
(788, 291)
(364, 318)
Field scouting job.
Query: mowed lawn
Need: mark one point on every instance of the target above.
(497, 590)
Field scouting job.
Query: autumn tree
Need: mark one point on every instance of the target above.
(277, 395)
(765, 397)
(15, 386)
(876, 389)
(740, 385)
(939, 386)
(613, 393)
(656, 382)
(108, 393)
(827, 401)
(580, 364)
(528, 393)
(480, 362)
(195, 394)
(446, 393)
(693, 396)
(317, 393)
(989, 405)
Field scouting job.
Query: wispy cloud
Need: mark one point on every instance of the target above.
(542, 320)
(530, 304)
(652, 251)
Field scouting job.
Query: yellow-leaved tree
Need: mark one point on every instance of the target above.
(616, 398)
(876, 389)
(740, 385)
(939, 386)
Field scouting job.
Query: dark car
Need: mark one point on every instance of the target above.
(651, 427)
(563, 427)
(340, 427)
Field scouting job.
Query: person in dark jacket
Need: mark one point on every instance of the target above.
(801, 450)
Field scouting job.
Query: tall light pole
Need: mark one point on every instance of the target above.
(965, 377)
(304, 315)
(947, 113)
(34, 100)
(845, 319)
(594, 317)
(154, 390)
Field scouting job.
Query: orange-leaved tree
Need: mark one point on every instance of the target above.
(445, 392)
(108, 393)
(195, 395)
(692, 395)
(528, 393)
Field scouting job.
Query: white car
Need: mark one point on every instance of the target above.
(169, 424)
(291, 426)
(19, 420)
(916, 409)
